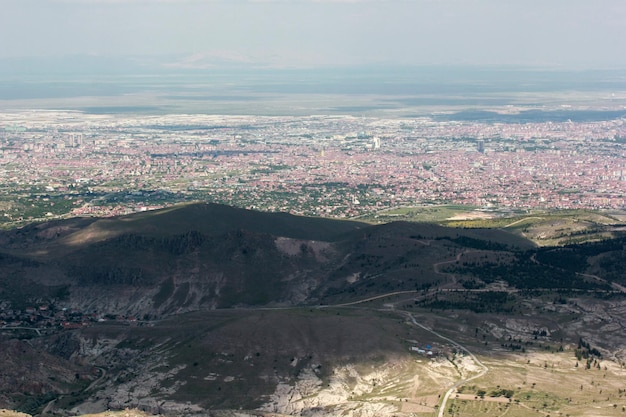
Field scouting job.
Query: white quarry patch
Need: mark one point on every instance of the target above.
(310, 396)
(466, 365)
(351, 279)
(144, 388)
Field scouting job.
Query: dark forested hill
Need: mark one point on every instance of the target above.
(174, 298)
(212, 256)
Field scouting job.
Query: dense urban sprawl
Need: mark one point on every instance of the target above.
(58, 162)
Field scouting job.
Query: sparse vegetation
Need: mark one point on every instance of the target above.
(223, 313)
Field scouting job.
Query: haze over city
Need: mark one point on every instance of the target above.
(561, 34)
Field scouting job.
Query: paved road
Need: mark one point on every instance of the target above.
(34, 329)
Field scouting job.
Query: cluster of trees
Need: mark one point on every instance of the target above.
(478, 302)
(513, 347)
(174, 245)
(526, 273)
(501, 392)
(565, 259)
(585, 351)
(469, 242)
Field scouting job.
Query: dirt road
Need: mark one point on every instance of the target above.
(453, 388)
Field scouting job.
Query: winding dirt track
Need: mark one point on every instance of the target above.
(483, 371)
(449, 392)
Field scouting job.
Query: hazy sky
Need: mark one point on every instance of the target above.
(561, 33)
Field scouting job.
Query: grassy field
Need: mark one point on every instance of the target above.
(545, 228)
(543, 384)
(554, 228)
(420, 214)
